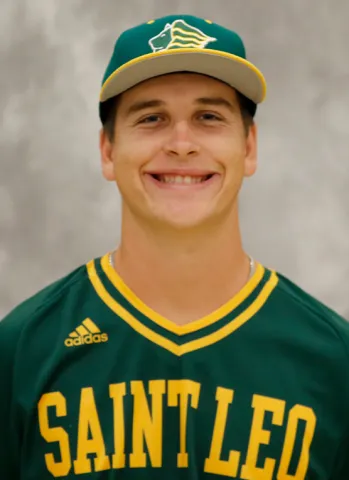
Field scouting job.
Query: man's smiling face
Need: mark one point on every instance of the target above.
(180, 150)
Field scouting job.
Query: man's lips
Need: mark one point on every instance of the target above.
(193, 172)
(182, 178)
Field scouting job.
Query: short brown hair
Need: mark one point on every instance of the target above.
(108, 111)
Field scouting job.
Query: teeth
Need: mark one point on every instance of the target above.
(179, 179)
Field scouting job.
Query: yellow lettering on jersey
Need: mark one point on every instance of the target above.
(297, 413)
(259, 436)
(117, 393)
(214, 464)
(147, 426)
(90, 437)
(57, 434)
(178, 394)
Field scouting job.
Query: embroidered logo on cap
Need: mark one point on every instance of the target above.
(179, 34)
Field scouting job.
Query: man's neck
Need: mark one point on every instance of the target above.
(183, 278)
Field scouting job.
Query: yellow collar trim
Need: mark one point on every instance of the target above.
(164, 342)
(163, 322)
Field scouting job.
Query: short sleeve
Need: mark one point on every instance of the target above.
(9, 434)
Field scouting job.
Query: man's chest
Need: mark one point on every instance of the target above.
(179, 425)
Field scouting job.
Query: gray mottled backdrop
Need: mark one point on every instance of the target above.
(56, 211)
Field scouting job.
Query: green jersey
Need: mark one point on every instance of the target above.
(95, 384)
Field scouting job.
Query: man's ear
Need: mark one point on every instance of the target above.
(251, 151)
(106, 150)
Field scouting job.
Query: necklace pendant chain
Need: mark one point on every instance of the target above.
(252, 264)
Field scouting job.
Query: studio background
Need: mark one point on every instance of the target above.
(57, 212)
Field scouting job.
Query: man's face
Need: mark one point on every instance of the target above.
(180, 151)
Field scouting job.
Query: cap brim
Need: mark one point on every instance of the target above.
(231, 69)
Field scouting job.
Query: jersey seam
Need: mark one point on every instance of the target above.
(319, 314)
(37, 310)
(338, 335)
(61, 291)
(51, 299)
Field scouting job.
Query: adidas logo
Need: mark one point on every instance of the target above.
(86, 334)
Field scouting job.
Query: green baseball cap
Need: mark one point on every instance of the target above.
(180, 43)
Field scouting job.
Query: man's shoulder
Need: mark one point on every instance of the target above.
(44, 300)
(307, 305)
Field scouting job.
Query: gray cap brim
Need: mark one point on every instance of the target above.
(235, 71)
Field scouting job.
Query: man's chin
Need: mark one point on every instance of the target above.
(183, 222)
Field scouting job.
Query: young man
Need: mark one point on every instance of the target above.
(177, 355)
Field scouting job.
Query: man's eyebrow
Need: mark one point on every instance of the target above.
(217, 102)
(207, 101)
(143, 105)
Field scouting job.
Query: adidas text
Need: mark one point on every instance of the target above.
(86, 340)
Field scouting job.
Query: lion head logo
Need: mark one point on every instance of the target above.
(179, 34)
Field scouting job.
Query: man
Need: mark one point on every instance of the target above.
(177, 355)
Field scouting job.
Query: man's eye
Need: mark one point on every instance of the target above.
(150, 119)
(209, 116)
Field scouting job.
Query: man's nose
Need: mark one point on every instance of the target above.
(181, 141)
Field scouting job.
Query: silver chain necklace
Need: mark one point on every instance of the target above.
(252, 263)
